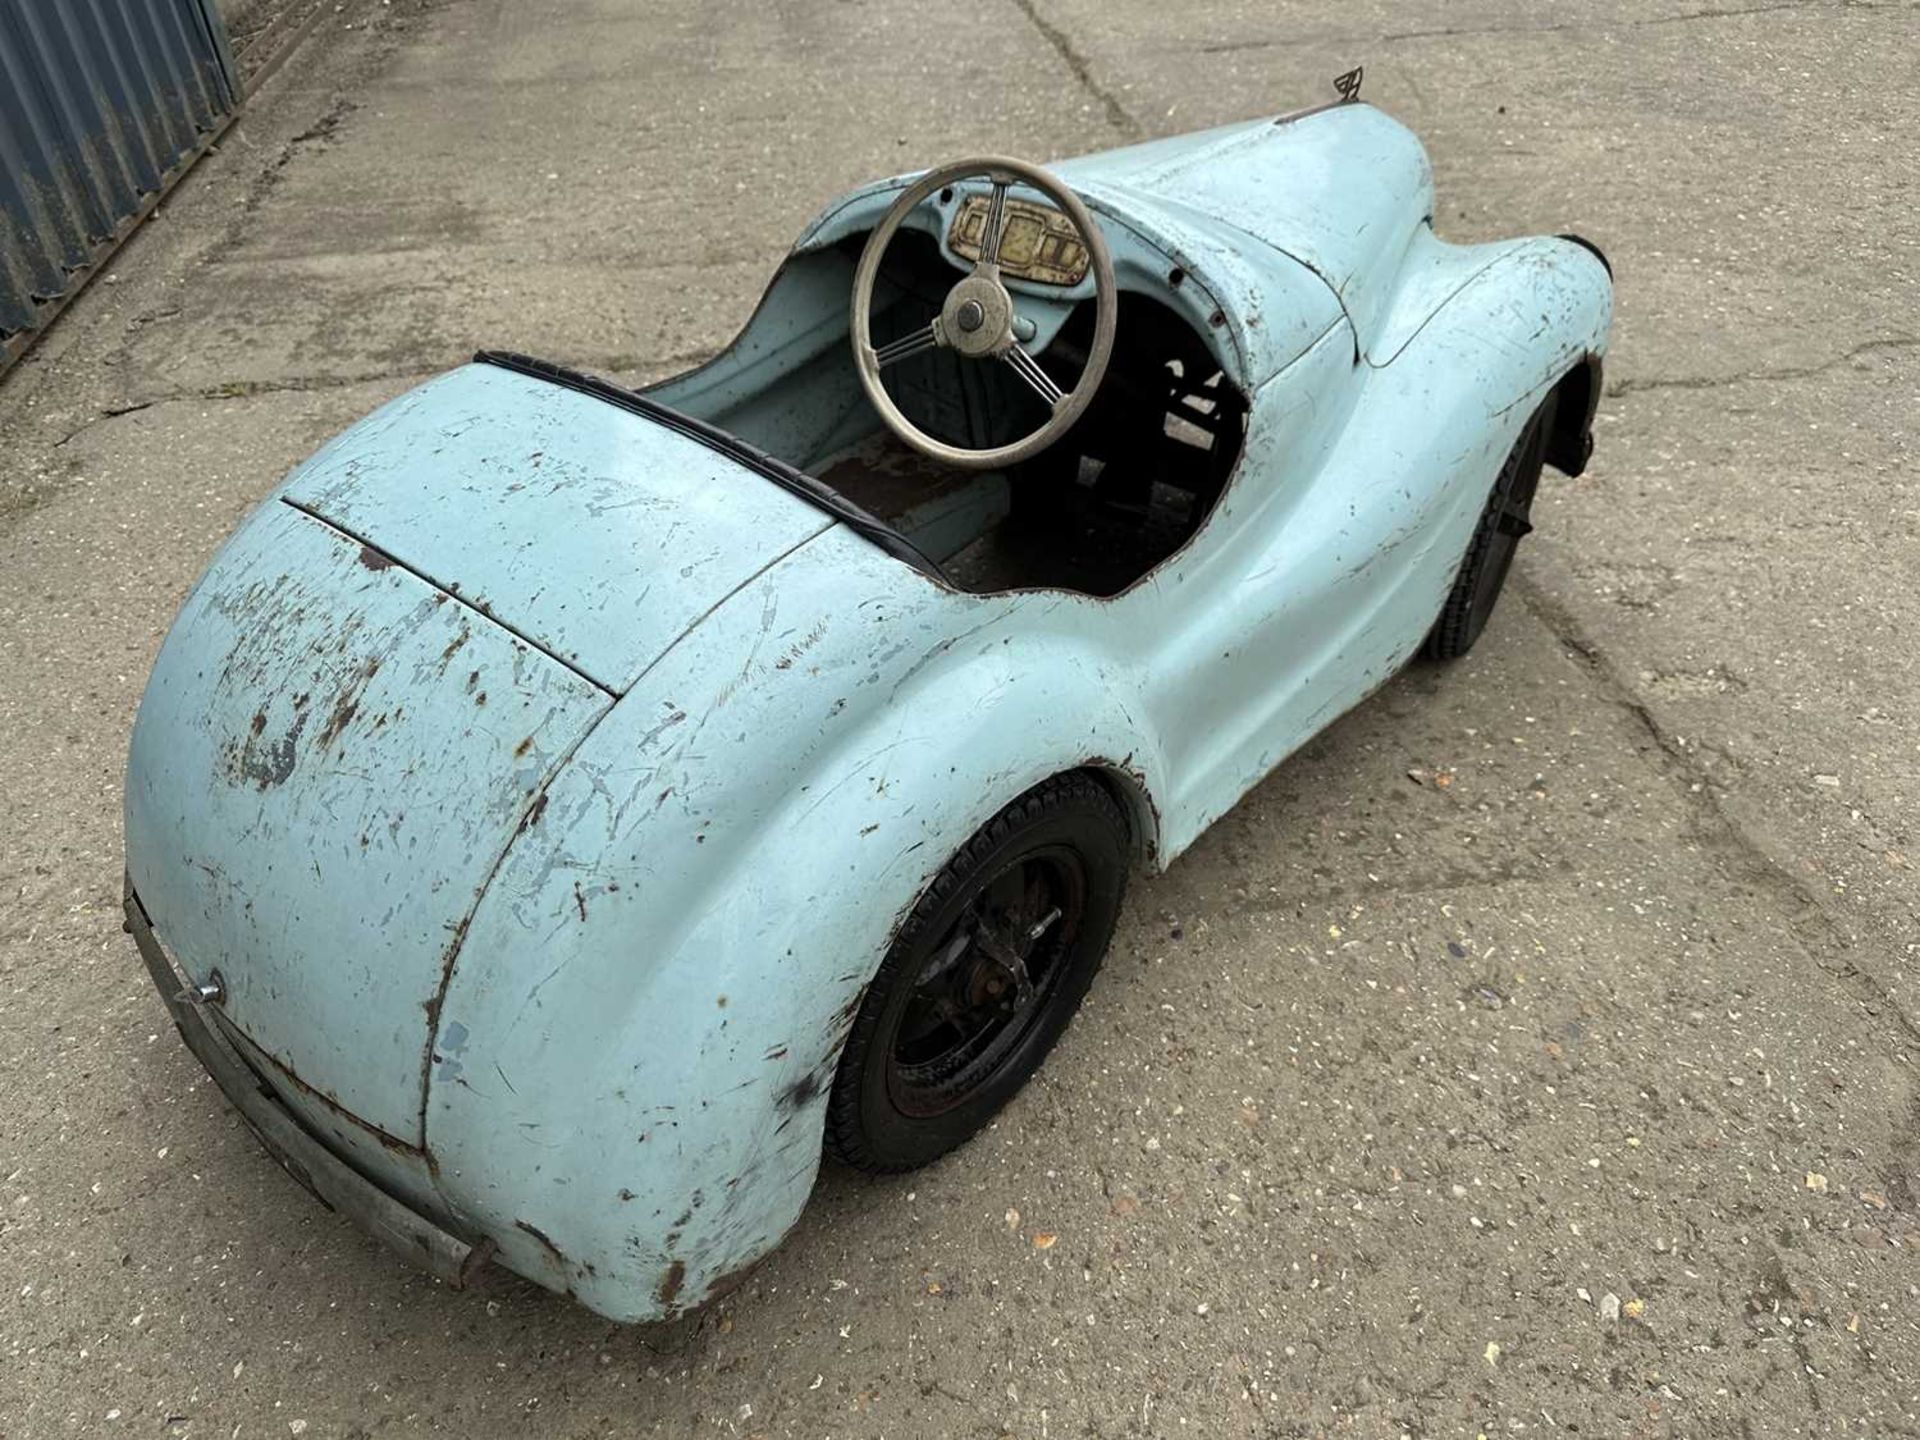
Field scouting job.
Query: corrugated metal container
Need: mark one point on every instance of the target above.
(103, 106)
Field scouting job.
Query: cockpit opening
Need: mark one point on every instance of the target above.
(1123, 489)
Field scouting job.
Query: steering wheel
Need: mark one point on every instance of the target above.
(976, 321)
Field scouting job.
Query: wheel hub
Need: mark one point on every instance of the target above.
(984, 981)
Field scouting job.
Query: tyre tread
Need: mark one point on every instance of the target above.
(1454, 633)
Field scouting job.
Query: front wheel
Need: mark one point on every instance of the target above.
(982, 978)
(1506, 518)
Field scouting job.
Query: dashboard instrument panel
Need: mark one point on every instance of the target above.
(1037, 243)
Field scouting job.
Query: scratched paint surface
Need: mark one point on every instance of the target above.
(679, 948)
(328, 761)
(1341, 191)
(594, 533)
(641, 1017)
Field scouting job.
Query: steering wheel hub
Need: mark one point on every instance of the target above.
(978, 317)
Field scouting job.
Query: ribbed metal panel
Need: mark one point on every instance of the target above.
(103, 105)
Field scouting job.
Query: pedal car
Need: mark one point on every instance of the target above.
(560, 813)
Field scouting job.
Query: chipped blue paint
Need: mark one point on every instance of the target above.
(286, 819)
(590, 992)
(591, 532)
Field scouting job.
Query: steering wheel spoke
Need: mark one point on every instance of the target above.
(991, 232)
(927, 337)
(1029, 370)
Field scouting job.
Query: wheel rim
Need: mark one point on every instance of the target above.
(986, 980)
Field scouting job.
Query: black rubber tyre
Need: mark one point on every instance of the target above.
(1504, 522)
(948, 1031)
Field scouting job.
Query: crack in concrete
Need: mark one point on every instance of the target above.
(1117, 114)
(111, 413)
(13, 508)
(236, 390)
(385, 44)
(315, 384)
(1446, 32)
(1632, 385)
(1719, 833)
(320, 133)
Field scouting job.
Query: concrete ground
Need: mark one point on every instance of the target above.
(1574, 1094)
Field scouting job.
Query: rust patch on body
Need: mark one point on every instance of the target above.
(793, 1097)
(432, 1004)
(670, 1284)
(545, 1239)
(265, 763)
(386, 1139)
(800, 647)
(348, 704)
(373, 559)
(342, 717)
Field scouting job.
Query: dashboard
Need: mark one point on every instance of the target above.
(1037, 243)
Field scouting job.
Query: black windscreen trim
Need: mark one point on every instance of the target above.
(816, 493)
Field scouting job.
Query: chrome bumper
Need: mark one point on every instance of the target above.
(336, 1184)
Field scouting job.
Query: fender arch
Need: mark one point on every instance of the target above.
(655, 988)
(1570, 445)
(1513, 321)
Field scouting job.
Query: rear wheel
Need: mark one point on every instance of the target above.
(1506, 519)
(982, 978)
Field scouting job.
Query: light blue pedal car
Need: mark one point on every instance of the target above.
(561, 812)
